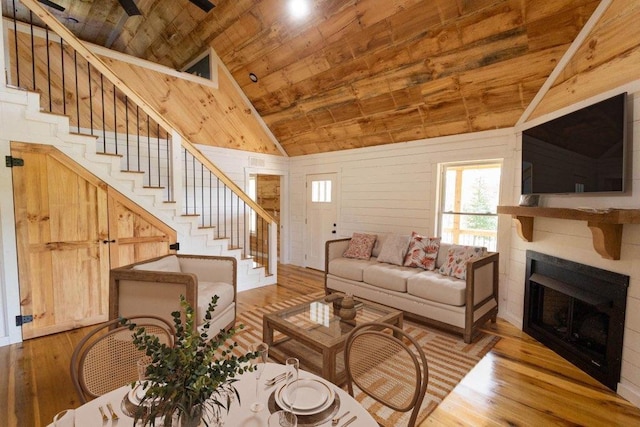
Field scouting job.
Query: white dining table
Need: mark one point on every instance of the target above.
(240, 414)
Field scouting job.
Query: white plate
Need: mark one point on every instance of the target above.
(313, 396)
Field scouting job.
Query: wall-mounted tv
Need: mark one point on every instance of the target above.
(580, 152)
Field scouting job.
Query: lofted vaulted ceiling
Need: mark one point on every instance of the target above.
(355, 73)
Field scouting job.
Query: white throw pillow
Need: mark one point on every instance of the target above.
(394, 249)
(457, 257)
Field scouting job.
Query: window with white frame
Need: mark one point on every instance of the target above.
(468, 203)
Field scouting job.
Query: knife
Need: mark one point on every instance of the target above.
(349, 421)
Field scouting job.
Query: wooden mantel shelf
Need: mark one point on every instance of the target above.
(605, 225)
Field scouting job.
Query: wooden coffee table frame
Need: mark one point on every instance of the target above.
(315, 354)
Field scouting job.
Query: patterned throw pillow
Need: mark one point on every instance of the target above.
(422, 252)
(360, 246)
(394, 249)
(457, 257)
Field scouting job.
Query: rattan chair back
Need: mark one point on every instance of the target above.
(387, 364)
(105, 359)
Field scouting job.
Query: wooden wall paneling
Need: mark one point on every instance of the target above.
(61, 221)
(136, 235)
(89, 98)
(205, 115)
(71, 229)
(345, 55)
(608, 58)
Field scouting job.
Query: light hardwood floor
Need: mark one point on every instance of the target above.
(518, 383)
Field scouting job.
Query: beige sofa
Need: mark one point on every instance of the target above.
(462, 306)
(154, 287)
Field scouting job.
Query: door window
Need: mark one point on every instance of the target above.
(321, 191)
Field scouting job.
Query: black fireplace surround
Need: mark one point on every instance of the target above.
(578, 311)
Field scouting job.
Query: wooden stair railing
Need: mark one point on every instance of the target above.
(248, 231)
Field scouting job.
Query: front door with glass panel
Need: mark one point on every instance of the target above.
(321, 221)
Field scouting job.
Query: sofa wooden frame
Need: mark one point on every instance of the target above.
(471, 328)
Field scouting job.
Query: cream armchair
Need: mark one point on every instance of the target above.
(153, 287)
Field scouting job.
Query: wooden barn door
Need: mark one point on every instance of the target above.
(135, 234)
(67, 224)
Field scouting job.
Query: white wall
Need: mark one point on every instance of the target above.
(572, 240)
(238, 165)
(392, 188)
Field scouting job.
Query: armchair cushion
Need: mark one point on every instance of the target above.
(169, 264)
(206, 290)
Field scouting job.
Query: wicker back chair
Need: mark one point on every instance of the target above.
(387, 364)
(105, 359)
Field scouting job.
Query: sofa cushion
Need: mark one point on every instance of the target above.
(349, 268)
(457, 257)
(169, 264)
(422, 252)
(360, 246)
(387, 276)
(394, 249)
(206, 290)
(435, 287)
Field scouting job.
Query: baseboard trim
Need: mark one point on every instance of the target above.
(629, 392)
(515, 321)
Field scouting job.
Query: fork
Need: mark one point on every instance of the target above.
(336, 420)
(104, 416)
(275, 380)
(114, 416)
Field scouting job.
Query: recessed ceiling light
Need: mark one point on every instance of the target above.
(253, 77)
(299, 8)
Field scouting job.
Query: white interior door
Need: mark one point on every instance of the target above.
(321, 219)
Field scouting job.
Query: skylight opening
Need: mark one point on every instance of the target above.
(299, 8)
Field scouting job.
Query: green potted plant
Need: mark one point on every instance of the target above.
(194, 377)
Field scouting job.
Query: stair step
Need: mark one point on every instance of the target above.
(109, 166)
(109, 154)
(88, 135)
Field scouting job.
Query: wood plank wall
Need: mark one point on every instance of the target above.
(609, 58)
(205, 115)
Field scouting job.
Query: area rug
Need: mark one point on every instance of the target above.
(449, 358)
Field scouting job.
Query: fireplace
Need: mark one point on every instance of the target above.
(578, 311)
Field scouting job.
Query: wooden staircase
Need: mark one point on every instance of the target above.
(171, 198)
(53, 129)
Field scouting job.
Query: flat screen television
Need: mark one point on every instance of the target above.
(580, 152)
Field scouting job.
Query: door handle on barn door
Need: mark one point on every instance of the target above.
(108, 241)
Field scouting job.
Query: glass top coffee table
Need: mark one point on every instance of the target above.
(315, 334)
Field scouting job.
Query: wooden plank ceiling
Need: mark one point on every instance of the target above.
(356, 73)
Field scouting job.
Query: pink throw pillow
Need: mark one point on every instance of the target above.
(360, 246)
(422, 252)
